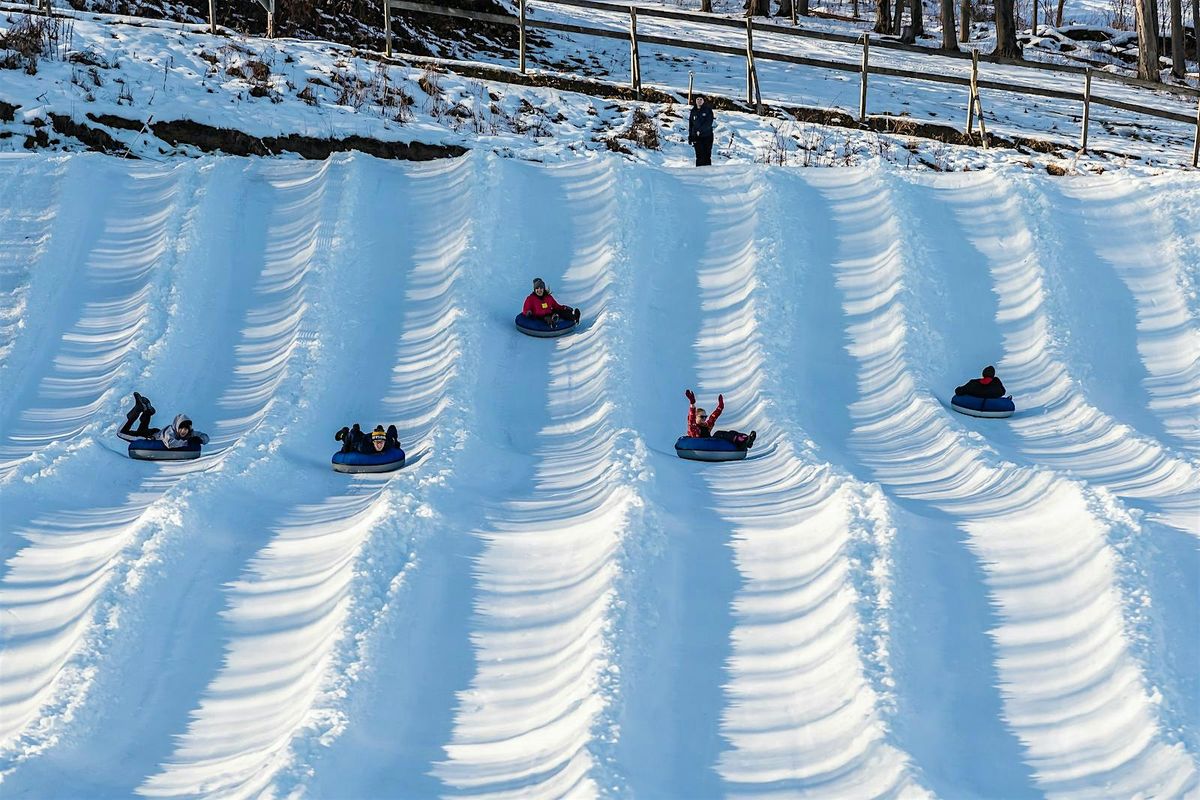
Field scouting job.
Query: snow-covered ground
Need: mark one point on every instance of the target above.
(893, 600)
(125, 78)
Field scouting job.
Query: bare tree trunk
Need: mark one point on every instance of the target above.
(964, 11)
(949, 34)
(758, 8)
(883, 16)
(917, 14)
(1147, 31)
(1196, 26)
(898, 20)
(706, 6)
(1006, 30)
(802, 8)
(1178, 50)
(785, 8)
(1058, 16)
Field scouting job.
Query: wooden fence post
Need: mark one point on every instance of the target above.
(271, 19)
(752, 92)
(971, 93)
(1196, 144)
(691, 77)
(521, 57)
(212, 16)
(387, 28)
(793, 13)
(1087, 108)
(978, 101)
(635, 64)
(862, 92)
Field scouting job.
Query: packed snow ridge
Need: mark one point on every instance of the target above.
(891, 600)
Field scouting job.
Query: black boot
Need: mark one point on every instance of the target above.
(144, 426)
(576, 316)
(750, 441)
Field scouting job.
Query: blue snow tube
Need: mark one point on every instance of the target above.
(155, 450)
(532, 326)
(356, 463)
(983, 406)
(701, 449)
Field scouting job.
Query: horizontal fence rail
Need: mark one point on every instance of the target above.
(751, 54)
(855, 39)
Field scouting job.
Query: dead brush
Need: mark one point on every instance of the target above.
(531, 120)
(431, 85)
(392, 98)
(31, 37)
(642, 131)
(778, 148)
(353, 91)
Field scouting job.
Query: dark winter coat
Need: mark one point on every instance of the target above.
(703, 430)
(359, 441)
(543, 306)
(990, 388)
(700, 122)
(170, 435)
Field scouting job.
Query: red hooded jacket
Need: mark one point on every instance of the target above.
(698, 431)
(542, 306)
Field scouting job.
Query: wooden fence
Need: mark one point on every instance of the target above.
(753, 55)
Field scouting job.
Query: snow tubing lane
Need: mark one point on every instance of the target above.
(983, 406)
(538, 328)
(155, 450)
(357, 463)
(698, 449)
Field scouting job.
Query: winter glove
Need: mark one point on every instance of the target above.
(720, 399)
(690, 396)
(337, 437)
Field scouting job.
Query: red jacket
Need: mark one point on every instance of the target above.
(542, 306)
(698, 431)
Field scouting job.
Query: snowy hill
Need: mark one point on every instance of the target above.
(893, 600)
(130, 86)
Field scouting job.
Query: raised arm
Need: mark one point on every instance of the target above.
(712, 418)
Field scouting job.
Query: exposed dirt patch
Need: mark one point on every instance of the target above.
(121, 123)
(231, 142)
(8, 111)
(94, 138)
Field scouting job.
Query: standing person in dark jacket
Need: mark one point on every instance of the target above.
(700, 131)
(988, 387)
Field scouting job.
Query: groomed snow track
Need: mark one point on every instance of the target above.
(894, 601)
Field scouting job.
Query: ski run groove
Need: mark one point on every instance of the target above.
(892, 601)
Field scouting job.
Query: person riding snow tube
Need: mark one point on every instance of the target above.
(702, 443)
(983, 397)
(179, 441)
(543, 316)
(377, 451)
